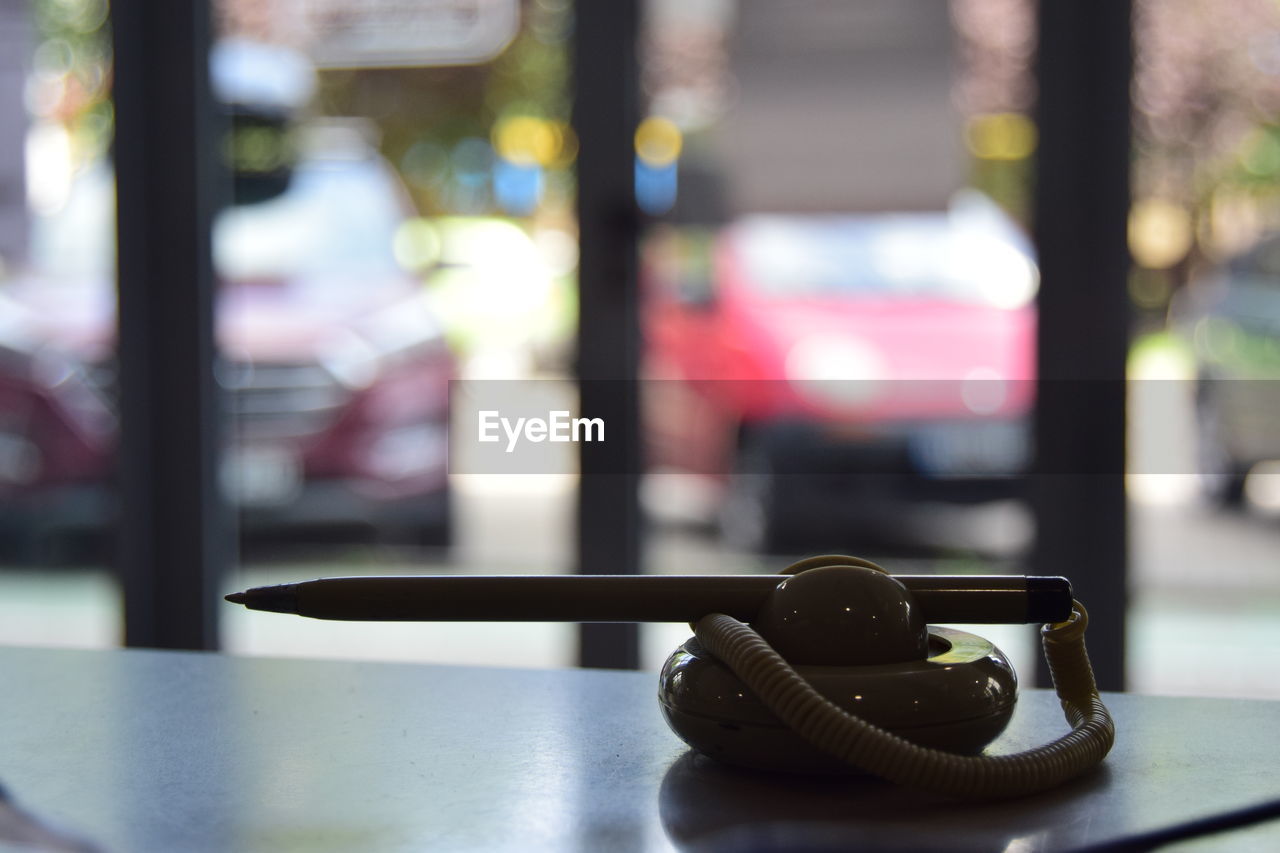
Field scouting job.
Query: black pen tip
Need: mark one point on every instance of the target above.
(281, 598)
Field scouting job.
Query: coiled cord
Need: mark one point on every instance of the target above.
(877, 751)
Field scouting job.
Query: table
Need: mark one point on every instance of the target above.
(172, 751)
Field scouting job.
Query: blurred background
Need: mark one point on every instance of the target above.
(838, 307)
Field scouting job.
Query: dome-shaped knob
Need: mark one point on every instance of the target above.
(843, 616)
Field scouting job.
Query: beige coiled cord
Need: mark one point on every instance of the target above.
(884, 754)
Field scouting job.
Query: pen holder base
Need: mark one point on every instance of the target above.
(958, 699)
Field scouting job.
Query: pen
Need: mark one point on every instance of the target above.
(633, 598)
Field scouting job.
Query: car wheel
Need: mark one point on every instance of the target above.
(1221, 476)
(753, 515)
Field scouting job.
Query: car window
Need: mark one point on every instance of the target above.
(337, 218)
(892, 256)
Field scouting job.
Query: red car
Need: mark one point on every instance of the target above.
(820, 369)
(334, 364)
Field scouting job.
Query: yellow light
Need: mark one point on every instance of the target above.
(527, 140)
(1160, 233)
(1001, 136)
(568, 150)
(658, 141)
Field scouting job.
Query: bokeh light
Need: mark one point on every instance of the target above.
(1160, 233)
(416, 245)
(527, 140)
(1001, 136)
(658, 141)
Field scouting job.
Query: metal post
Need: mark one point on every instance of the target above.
(605, 114)
(1081, 212)
(171, 533)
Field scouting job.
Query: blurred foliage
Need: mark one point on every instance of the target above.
(423, 113)
(996, 43)
(1206, 132)
(426, 113)
(1206, 118)
(1206, 104)
(70, 80)
(1206, 76)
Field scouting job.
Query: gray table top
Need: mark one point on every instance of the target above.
(166, 751)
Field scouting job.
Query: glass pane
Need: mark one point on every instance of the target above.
(805, 134)
(838, 286)
(403, 222)
(57, 300)
(1205, 285)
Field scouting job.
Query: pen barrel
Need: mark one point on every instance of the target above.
(651, 598)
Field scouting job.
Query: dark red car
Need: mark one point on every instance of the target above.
(334, 365)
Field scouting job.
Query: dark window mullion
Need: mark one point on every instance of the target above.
(172, 533)
(605, 114)
(1081, 212)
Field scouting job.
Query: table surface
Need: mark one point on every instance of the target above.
(169, 751)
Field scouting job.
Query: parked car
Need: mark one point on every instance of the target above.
(820, 369)
(334, 364)
(1231, 319)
